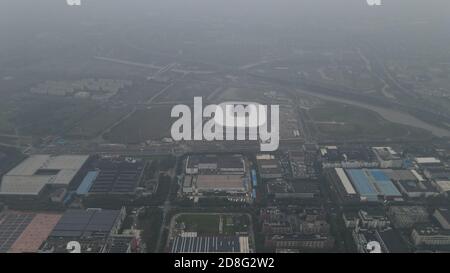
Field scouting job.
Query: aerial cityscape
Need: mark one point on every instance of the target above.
(113, 138)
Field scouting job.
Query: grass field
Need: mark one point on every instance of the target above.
(41, 116)
(101, 120)
(201, 223)
(143, 125)
(341, 121)
(187, 90)
(214, 224)
(6, 126)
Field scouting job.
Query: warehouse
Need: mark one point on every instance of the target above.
(365, 188)
(217, 176)
(215, 244)
(24, 232)
(231, 164)
(91, 227)
(443, 186)
(38, 171)
(114, 177)
(229, 183)
(410, 183)
(341, 185)
(269, 167)
(373, 184)
(383, 184)
(215, 164)
(300, 189)
(387, 157)
(408, 216)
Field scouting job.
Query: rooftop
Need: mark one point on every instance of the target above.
(83, 223)
(427, 160)
(232, 244)
(37, 171)
(24, 232)
(225, 182)
(386, 153)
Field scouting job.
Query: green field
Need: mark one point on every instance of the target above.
(214, 224)
(341, 121)
(99, 121)
(42, 116)
(143, 125)
(6, 125)
(201, 223)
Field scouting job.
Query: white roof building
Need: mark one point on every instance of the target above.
(345, 181)
(34, 173)
(444, 186)
(427, 160)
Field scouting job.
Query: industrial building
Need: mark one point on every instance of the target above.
(213, 244)
(443, 186)
(24, 232)
(408, 216)
(367, 218)
(342, 185)
(112, 177)
(215, 163)
(416, 189)
(348, 156)
(223, 176)
(437, 173)
(121, 244)
(434, 234)
(427, 161)
(37, 172)
(410, 183)
(92, 228)
(42, 181)
(303, 228)
(304, 221)
(269, 166)
(443, 217)
(315, 242)
(282, 189)
(217, 183)
(430, 235)
(389, 240)
(372, 184)
(387, 157)
(214, 183)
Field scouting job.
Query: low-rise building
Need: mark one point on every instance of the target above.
(342, 186)
(92, 228)
(408, 216)
(443, 217)
(40, 176)
(282, 189)
(388, 240)
(387, 157)
(269, 167)
(368, 218)
(430, 235)
(316, 242)
(210, 244)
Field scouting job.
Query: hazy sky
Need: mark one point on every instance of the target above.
(27, 23)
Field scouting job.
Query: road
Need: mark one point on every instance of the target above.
(166, 207)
